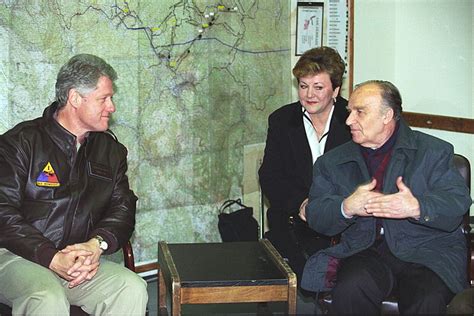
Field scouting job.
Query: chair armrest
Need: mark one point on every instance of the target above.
(128, 259)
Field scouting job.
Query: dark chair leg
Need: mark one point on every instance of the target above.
(5, 310)
(77, 311)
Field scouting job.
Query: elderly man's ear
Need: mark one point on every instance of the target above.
(388, 116)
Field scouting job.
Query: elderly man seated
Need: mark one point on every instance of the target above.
(397, 200)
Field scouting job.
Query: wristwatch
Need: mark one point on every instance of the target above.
(102, 243)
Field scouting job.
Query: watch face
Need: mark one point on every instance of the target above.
(104, 245)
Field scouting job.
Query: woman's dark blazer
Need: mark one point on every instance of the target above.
(286, 172)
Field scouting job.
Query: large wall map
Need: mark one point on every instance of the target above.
(197, 80)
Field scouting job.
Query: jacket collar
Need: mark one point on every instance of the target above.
(403, 150)
(339, 114)
(300, 149)
(60, 136)
(405, 143)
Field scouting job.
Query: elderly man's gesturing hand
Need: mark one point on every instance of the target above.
(356, 202)
(398, 205)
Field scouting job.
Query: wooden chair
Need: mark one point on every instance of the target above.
(129, 262)
(390, 306)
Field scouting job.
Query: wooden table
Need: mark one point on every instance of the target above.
(236, 272)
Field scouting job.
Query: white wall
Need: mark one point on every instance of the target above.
(425, 47)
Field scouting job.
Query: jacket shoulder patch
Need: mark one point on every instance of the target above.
(47, 177)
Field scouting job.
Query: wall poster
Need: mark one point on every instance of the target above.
(328, 23)
(309, 30)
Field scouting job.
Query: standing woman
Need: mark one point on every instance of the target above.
(298, 134)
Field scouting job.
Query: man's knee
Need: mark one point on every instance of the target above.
(360, 288)
(134, 287)
(119, 291)
(352, 285)
(130, 296)
(40, 300)
(124, 285)
(462, 303)
(30, 288)
(428, 301)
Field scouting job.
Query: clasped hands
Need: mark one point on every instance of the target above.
(367, 202)
(77, 263)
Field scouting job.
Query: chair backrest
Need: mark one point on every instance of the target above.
(464, 168)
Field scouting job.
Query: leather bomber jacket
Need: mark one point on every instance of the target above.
(53, 195)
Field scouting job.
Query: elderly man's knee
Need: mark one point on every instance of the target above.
(462, 303)
(351, 281)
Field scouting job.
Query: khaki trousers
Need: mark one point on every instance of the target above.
(31, 289)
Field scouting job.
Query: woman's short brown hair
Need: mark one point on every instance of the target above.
(318, 60)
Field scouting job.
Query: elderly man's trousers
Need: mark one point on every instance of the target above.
(365, 279)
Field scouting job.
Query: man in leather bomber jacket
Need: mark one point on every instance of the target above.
(65, 200)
